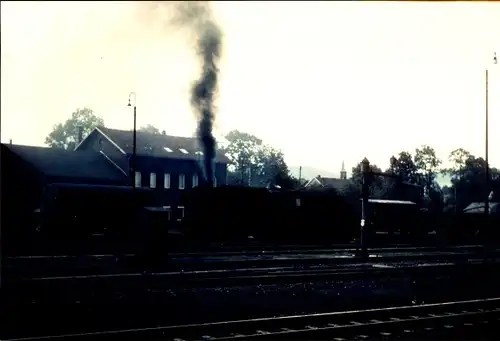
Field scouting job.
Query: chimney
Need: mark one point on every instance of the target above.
(163, 132)
(80, 135)
(10, 141)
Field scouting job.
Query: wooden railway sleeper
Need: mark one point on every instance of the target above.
(307, 331)
(396, 320)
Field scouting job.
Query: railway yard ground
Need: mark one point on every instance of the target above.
(109, 264)
(266, 284)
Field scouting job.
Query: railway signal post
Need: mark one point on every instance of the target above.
(365, 174)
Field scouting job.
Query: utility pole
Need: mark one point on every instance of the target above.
(487, 179)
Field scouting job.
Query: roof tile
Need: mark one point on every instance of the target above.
(159, 145)
(74, 164)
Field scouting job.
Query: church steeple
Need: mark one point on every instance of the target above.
(343, 173)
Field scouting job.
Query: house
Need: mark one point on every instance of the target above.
(478, 207)
(27, 172)
(168, 164)
(330, 183)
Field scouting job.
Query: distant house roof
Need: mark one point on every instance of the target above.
(478, 207)
(389, 202)
(159, 145)
(319, 181)
(58, 162)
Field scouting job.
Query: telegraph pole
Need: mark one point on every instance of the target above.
(486, 151)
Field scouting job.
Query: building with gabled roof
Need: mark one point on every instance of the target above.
(154, 145)
(168, 164)
(57, 165)
(27, 172)
(339, 184)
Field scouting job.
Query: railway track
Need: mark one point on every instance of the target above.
(278, 249)
(108, 265)
(451, 320)
(68, 289)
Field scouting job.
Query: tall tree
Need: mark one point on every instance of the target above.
(400, 188)
(377, 183)
(241, 150)
(254, 163)
(271, 168)
(65, 135)
(428, 164)
(404, 166)
(150, 129)
(469, 184)
(454, 198)
(458, 159)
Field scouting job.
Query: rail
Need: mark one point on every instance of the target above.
(282, 249)
(374, 323)
(134, 281)
(63, 268)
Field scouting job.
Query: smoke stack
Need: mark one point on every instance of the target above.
(163, 132)
(10, 141)
(80, 135)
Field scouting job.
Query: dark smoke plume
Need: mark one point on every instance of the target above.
(197, 17)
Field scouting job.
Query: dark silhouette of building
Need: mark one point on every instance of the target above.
(168, 164)
(29, 172)
(338, 184)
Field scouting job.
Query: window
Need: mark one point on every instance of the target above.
(183, 151)
(166, 180)
(195, 180)
(152, 180)
(182, 181)
(215, 181)
(138, 178)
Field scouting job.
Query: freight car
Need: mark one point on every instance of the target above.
(226, 213)
(324, 217)
(90, 218)
(231, 213)
(395, 221)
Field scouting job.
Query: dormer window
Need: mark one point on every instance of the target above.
(183, 151)
(168, 150)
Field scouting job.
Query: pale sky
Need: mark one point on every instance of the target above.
(323, 81)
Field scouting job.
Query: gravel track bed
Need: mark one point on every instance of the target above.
(159, 307)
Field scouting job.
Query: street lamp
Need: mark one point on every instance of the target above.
(134, 152)
(487, 180)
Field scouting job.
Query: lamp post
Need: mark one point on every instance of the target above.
(134, 152)
(487, 179)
